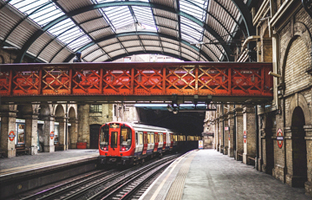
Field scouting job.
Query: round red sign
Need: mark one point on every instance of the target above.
(245, 137)
(11, 135)
(279, 138)
(52, 135)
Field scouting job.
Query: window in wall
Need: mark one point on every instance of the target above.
(95, 108)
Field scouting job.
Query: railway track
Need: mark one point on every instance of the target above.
(103, 184)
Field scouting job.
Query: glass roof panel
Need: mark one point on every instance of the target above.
(196, 8)
(79, 42)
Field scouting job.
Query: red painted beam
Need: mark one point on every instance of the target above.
(187, 78)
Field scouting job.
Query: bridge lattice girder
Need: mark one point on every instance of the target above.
(136, 80)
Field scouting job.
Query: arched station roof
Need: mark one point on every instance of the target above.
(104, 30)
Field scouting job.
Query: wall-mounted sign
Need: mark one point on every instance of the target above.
(245, 136)
(52, 135)
(200, 144)
(226, 128)
(11, 136)
(279, 138)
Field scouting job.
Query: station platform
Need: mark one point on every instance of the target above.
(208, 174)
(44, 161)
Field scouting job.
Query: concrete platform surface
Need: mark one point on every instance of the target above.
(208, 174)
(42, 160)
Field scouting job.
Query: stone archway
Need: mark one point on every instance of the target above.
(72, 129)
(61, 135)
(46, 129)
(297, 175)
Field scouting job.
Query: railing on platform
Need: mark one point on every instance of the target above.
(147, 79)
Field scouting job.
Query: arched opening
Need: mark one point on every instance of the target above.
(60, 138)
(299, 151)
(72, 129)
(94, 135)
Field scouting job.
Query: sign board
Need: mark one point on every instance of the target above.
(11, 135)
(226, 128)
(245, 136)
(52, 135)
(279, 138)
(200, 144)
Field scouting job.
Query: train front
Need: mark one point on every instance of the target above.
(116, 143)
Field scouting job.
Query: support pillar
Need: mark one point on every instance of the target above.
(230, 133)
(8, 130)
(31, 132)
(221, 146)
(48, 130)
(239, 133)
(249, 134)
(62, 133)
(216, 134)
(308, 138)
(225, 134)
(73, 134)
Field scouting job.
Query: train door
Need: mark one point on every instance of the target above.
(94, 136)
(156, 141)
(171, 140)
(145, 143)
(113, 139)
(164, 141)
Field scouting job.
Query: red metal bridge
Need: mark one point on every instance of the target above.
(149, 82)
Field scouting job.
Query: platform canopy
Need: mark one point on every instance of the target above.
(104, 30)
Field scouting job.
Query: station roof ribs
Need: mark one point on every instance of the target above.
(104, 30)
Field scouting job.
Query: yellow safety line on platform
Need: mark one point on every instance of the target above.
(176, 190)
(172, 166)
(41, 165)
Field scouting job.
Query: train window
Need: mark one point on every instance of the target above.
(152, 138)
(171, 137)
(104, 136)
(114, 137)
(149, 138)
(125, 136)
(160, 137)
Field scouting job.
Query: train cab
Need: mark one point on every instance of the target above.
(116, 141)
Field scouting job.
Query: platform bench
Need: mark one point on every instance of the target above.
(251, 160)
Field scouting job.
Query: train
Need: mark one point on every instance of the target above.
(132, 143)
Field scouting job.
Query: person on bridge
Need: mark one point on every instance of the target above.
(78, 57)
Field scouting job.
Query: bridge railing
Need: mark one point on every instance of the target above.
(189, 78)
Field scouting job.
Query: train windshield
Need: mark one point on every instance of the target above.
(125, 136)
(114, 137)
(104, 135)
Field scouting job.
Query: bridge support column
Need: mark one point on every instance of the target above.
(216, 135)
(225, 134)
(73, 133)
(48, 131)
(221, 146)
(239, 133)
(230, 132)
(8, 130)
(63, 135)
(31, 133)
(249, 134)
